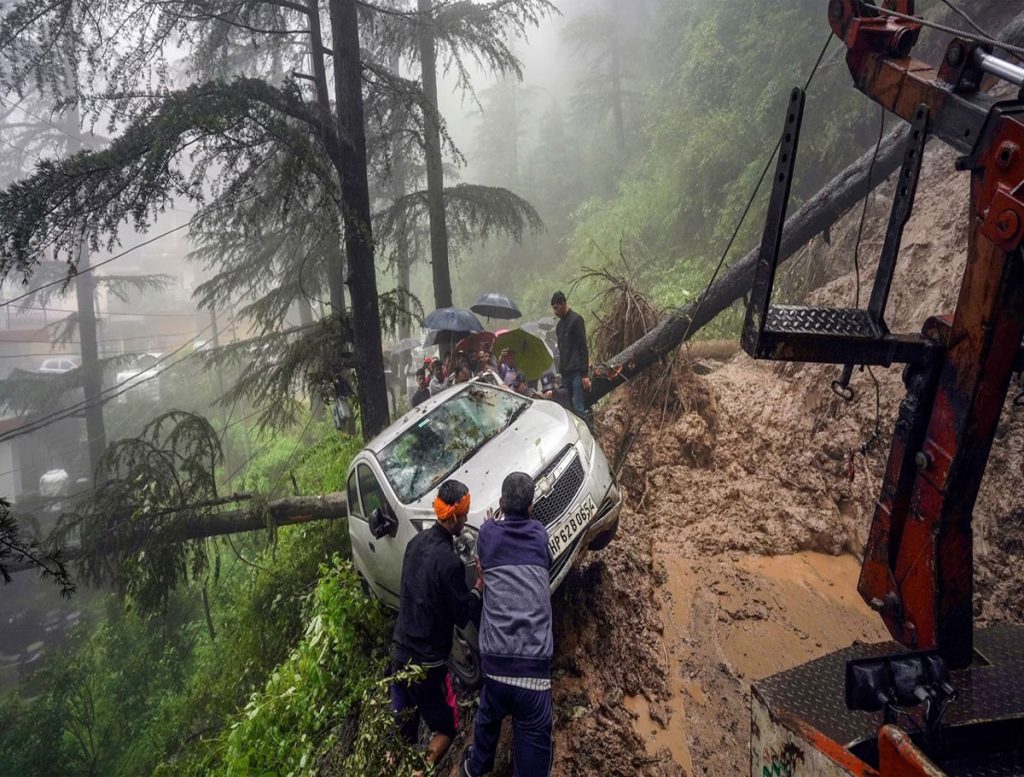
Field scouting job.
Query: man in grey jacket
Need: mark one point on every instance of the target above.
(516, 643)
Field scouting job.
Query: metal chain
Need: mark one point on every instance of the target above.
(1017, 50)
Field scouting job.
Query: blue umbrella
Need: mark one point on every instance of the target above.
(494, 305)
(453, 320)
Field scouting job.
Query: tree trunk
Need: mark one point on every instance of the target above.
(403, 260)
(355, 194)
(435, 172)
(253, 517)
(618, 110)
(828, 205)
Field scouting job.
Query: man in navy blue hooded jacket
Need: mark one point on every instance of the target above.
(516, 643)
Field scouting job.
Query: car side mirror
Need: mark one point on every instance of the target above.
(383, 524)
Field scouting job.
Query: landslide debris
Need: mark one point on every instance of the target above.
(750, 492)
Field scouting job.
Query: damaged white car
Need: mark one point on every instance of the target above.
(477, 433)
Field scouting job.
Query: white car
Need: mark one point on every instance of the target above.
(141, 380)
(58, 365)
(477, 433)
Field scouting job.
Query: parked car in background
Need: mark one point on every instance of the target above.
(140, 381)
(57, 365)
(477, 433)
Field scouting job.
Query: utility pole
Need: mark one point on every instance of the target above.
(92, 374)
(85, 291)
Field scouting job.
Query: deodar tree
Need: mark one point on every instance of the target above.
(454, 36)
(200, 128)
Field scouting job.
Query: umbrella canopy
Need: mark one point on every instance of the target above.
(445, 338)
(532, 355)
(494, 305)
(476, 342)
(404, 346)
(453, 320)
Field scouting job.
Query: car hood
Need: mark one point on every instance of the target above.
(529, 445)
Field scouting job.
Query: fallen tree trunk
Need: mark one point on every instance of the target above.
(253, 517)
(839, 195)
(281, 512)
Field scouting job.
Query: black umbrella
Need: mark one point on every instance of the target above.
(445, 339)
(494, 305)
(453, 320)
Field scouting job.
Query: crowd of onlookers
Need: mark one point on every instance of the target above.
(437, 374)
(460, 366)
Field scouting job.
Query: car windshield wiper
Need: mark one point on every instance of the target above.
(518, 412)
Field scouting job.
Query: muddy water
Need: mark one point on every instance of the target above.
(729, 621)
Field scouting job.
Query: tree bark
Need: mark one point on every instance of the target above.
(361, 276)
(618, 109)
(403, 260)
(827, 206)
(435, 172)
(252, 517)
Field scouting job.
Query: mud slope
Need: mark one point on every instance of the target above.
(747, 506)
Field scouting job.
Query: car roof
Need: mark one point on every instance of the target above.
(382, 440)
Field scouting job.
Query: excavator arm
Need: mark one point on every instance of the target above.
(918, 567)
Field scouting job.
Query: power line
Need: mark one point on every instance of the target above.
(127, 251)
(93, 267)
(78, 445)
(78, 407)
(114, 313)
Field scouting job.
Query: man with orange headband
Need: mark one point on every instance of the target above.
(434, 599)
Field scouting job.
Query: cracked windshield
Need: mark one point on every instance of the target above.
(422, 455)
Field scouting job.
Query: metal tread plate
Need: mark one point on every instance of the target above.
(991, 689)
(831, 322)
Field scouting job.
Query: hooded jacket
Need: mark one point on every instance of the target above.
(515, 624)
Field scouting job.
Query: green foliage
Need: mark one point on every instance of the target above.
(720, 106)
(315, 455)
(132, 527)
(293, 719)
(86, 712)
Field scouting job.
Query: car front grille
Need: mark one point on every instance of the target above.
(553, 504)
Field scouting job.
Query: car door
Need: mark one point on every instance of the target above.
(380, 559)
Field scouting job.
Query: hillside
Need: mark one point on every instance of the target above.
(748, 503)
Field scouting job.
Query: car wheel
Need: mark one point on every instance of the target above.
(464, 660)
(365, 586)
(600, 542)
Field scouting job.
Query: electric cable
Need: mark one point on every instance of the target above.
(963, 15)
(102, 397)
(700, 302)
(67, 280)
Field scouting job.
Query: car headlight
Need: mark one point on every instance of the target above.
(586, 438)
(465, 545)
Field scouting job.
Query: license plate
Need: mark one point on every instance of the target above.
(562, 534)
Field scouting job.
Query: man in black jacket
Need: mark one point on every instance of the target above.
(434, 599)
(573, 353)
